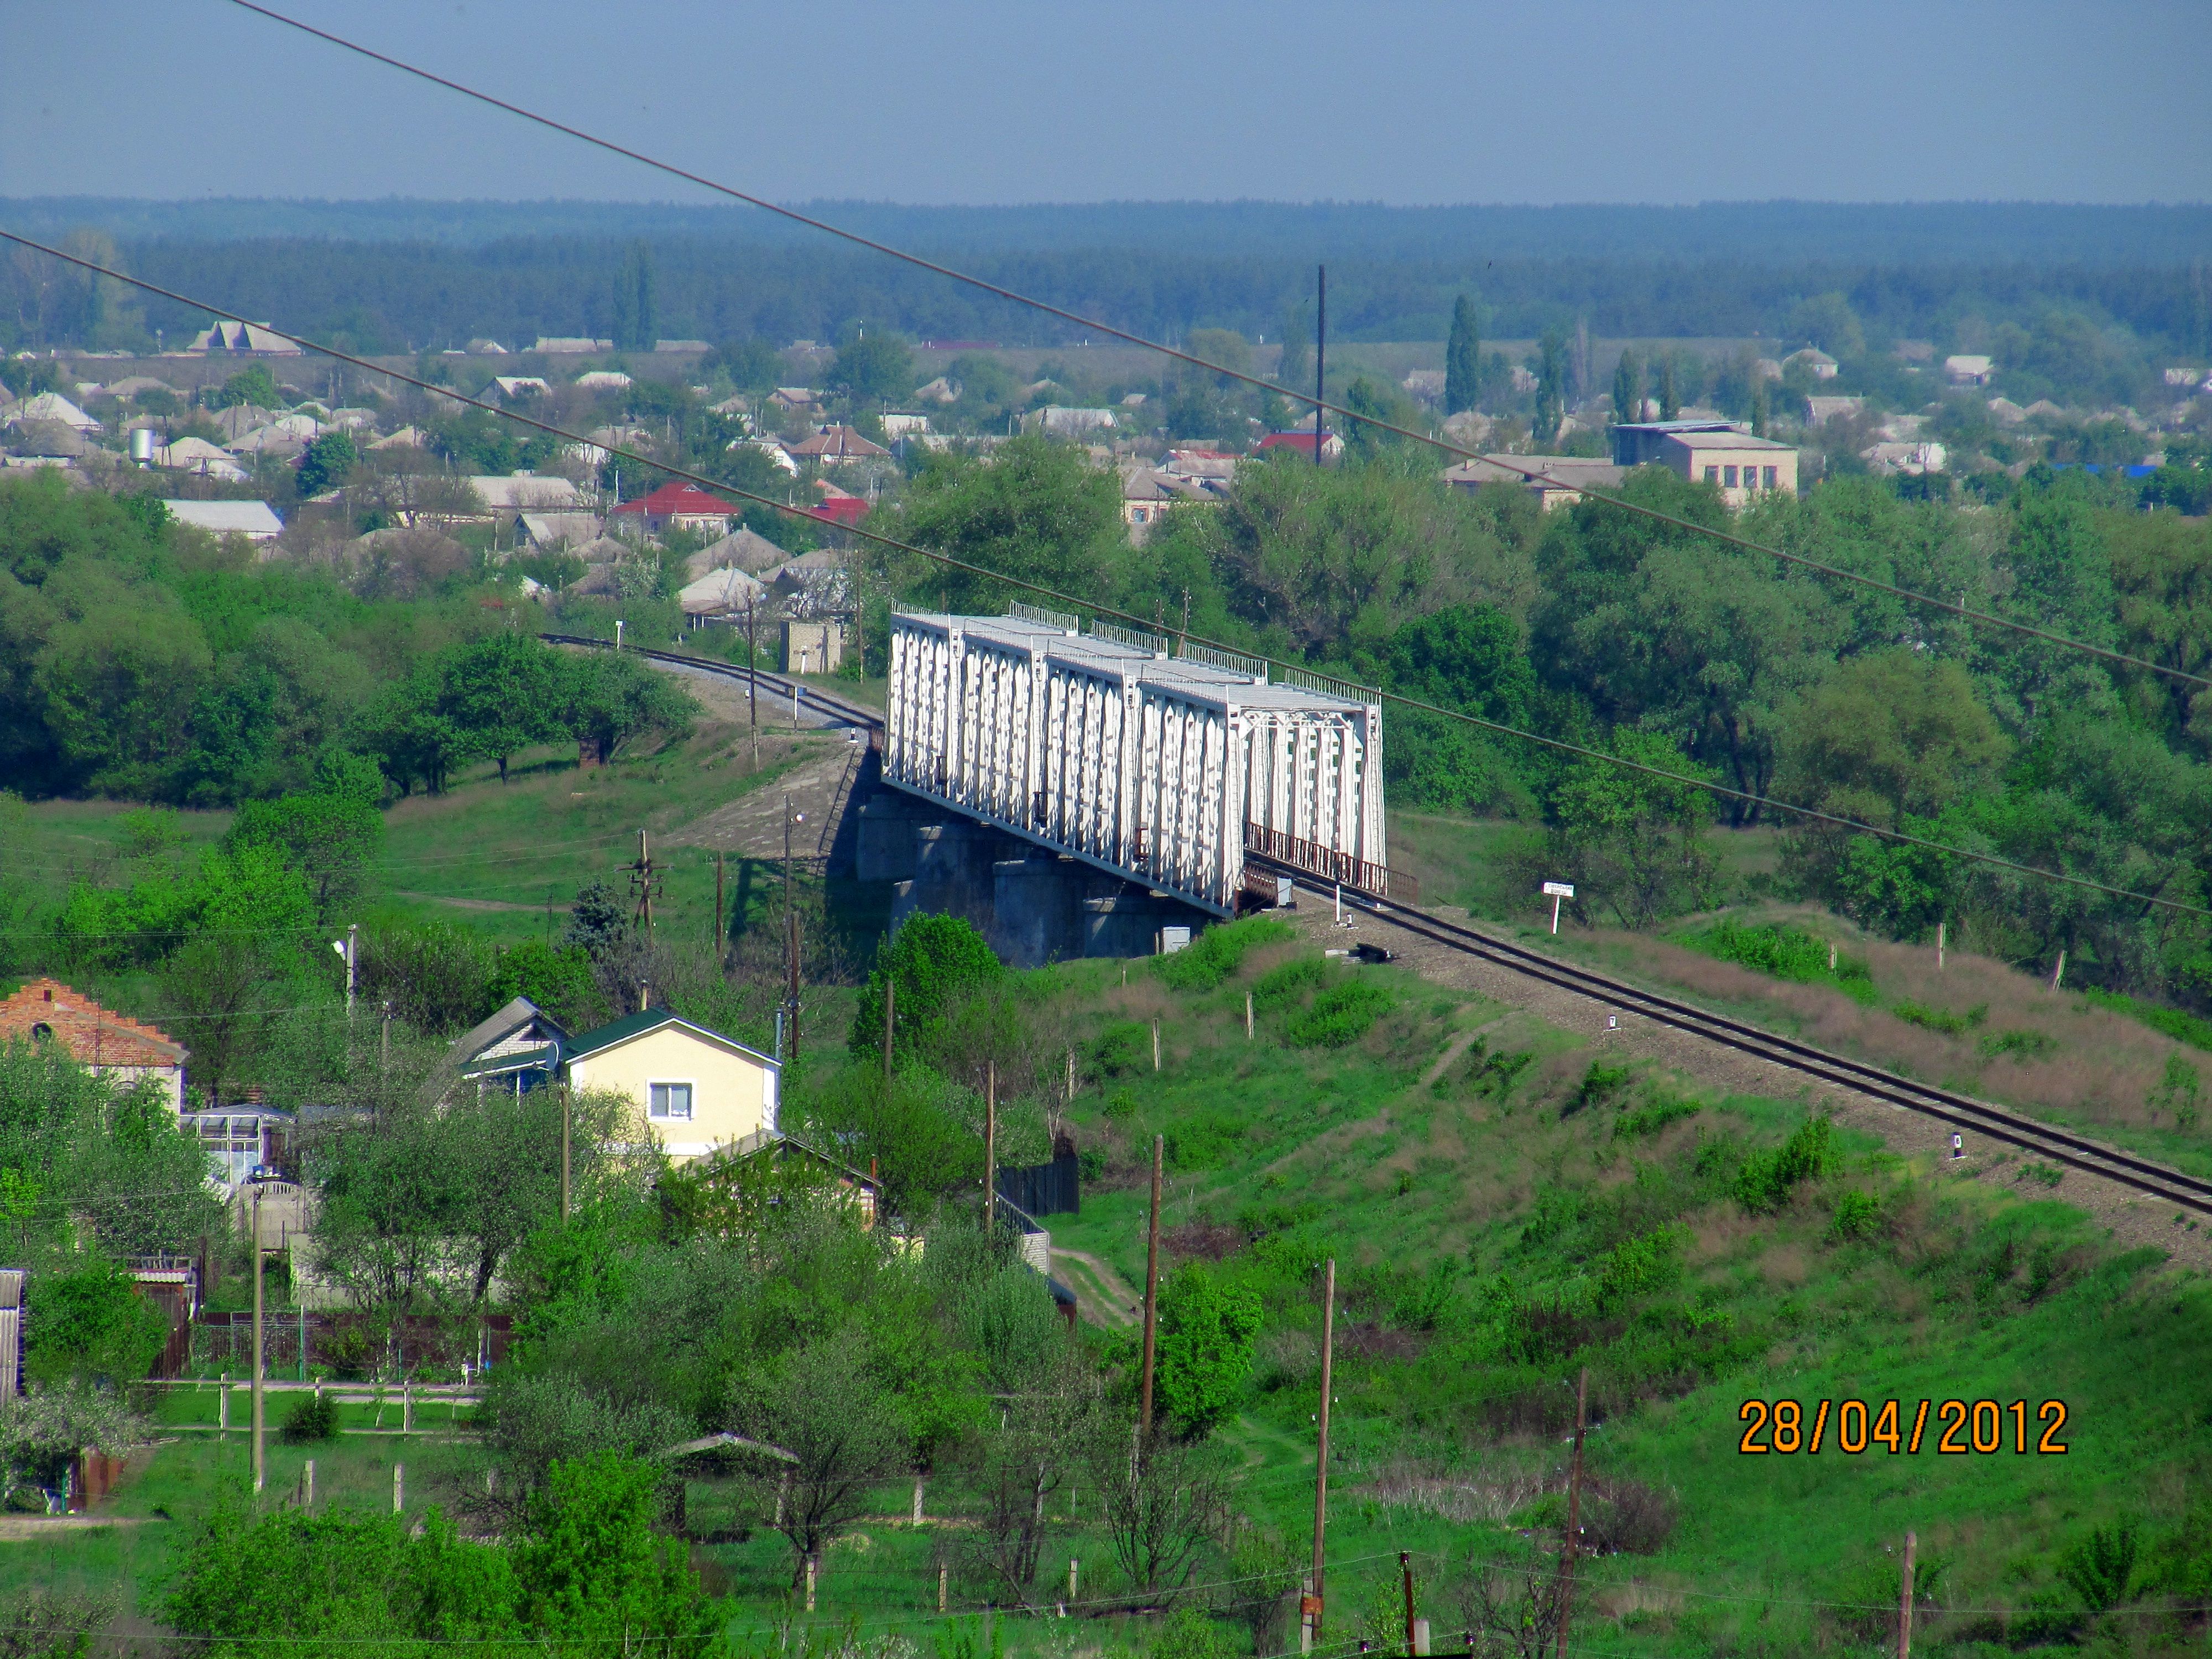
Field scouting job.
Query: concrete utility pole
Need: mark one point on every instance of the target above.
(1312, 1608)
(1152, 1290)
(1574, 1515)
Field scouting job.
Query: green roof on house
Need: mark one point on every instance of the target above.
(632, 1025)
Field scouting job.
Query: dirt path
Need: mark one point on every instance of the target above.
(2129, 1219)
(1101, 1296)
(28, 1528)
(1459, 1045)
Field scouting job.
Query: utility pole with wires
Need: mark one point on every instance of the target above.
(567, 1117)
(645, 881)
(990, 1149)
(1574, 1515)
(714, 933)
(890, 1022)
(1905, 1603)
(1310, 1604)
(1151, 1293)
(260, 1417)
(1320, 366)
(752, 681)
(790, 932)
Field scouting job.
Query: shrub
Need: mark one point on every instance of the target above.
(2027, 1045)
(314, 1417)
(1599, 1084)
(1290, 980)
(1122, 1048)
(1783, 952)
(1655, 1114)
(1940, 1019)
(1627, 1517)
(1218, 952)
(1638, 1268)
(1340, 1015)
(1766, 1179)
(1856, 1215)
(2100, 1566)
(1208, 1323)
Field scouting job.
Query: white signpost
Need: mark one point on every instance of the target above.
(1557, 890)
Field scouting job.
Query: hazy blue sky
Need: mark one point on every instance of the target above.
(1570, 100)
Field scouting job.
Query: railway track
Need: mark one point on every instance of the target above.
(782, 686)
(1962, 1112)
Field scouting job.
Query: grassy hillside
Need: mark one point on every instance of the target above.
(1532, 1210)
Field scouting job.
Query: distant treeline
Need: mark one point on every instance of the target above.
(1758, 233)
(396, 296)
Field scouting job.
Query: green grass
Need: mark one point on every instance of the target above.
(1947, 1290)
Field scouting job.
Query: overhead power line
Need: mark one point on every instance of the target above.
(1563, 745)
(1961, 610)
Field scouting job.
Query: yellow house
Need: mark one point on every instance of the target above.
(695, 1089)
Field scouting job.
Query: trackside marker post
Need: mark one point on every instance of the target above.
(1556, 891)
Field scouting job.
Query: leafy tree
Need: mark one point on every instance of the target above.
(592, 1569)
(876, 367)
(1892, 734)
(91, 1325)
(1635, 843)
(326, 462)
(603, 699)
(1462, 358)
(935, 963)
(1038, 511)
(559, 981)
(253, 385)
(1827, 321)
(825, 1406)
(331, 840)
(499, 691)
(1670, 405)
(1208, 1325)
(753, 364)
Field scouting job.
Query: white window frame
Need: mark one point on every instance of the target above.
(690, 1086)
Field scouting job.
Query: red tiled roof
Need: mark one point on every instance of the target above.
(840, 509)
(673, 499)
(94, 1036)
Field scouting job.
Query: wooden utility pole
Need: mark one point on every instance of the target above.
(384, 1050)
(642, 880)
(753, 681)
(1574, 1515)
(990, 1148)
(1152, 1291)
(1321, 376)
(1406, 1569)
(890, 1006)
(1905, 1603)
(568, 1117)
(1313, 1610)
(715, 932)
(790, 934)
(260, 1449)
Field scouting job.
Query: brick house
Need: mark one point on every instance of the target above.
(111, 1044)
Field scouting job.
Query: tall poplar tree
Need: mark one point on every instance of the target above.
(1627, 390)
(1462, 358)
(1550, 386)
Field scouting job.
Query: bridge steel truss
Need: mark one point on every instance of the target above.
(1164, 770)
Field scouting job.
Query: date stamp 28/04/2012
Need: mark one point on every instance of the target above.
(1853, 1426)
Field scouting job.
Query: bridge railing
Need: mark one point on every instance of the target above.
(1329, 864)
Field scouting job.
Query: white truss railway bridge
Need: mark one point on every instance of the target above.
(1129, 768)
